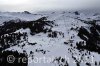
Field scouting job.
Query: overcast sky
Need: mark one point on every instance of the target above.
(21, 5)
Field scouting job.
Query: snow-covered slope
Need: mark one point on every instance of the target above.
(60, 50)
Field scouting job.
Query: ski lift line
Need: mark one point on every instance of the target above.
(66, 26)
(65, 23)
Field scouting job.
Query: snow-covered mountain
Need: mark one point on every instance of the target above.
(58, 38)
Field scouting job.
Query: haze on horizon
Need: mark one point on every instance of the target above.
(33, 5)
